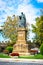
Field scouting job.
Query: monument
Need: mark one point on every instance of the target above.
(21, 47)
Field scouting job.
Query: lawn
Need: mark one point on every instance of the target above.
(4, 55)
(38, 56)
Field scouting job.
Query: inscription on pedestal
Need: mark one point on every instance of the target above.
(20, 34)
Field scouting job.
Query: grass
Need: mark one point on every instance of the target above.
(38, 56)
(4, 55)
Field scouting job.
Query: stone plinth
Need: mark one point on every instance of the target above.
(21, 46)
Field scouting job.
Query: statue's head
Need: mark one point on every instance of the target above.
(21, 12)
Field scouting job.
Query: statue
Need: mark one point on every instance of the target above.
(21, 47)
(22, 20)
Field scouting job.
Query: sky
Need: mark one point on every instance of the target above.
(31, 9)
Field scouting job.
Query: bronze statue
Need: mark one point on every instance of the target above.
(22, 20)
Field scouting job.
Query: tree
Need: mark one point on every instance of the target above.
(38, 29)
(10, 28)
(41, 49)
(9, 48)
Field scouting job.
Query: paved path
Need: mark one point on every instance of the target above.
(12, 61)
(19, 63)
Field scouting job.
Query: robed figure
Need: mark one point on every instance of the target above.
(22, 20)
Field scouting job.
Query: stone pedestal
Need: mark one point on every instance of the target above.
(21, 47)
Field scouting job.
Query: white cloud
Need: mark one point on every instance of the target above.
(29, 11)
(7, 10)
(39, 0)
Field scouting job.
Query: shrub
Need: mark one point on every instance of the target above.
(9, 48)
(41, 49)
(6, 51)
(14, 54)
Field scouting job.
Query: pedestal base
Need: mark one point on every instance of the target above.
(20, 48)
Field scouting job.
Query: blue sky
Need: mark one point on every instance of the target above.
(31, 9)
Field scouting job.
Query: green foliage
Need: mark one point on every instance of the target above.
(4, 55)
(10, 28)
(38, 29)
(38, 56)
(41, 49)
(9, 48)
